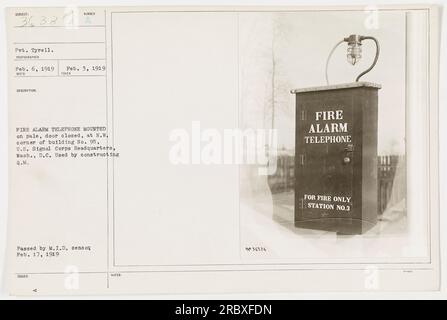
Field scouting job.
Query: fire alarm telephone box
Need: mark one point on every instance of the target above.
(336, 157)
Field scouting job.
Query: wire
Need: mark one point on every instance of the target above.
(375, 59)
(364, 72)
(329, 57)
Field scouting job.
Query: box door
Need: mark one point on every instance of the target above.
(325, 159)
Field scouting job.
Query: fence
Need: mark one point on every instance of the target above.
(391, 179)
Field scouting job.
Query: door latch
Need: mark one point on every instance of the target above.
(349, 149)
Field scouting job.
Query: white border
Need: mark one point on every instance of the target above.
(365, 295)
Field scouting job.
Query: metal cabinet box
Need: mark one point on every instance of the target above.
(336, 157)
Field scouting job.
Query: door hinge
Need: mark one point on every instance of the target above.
(303, 115)
(301, 203)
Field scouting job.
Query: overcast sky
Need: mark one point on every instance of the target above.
(301, 43)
